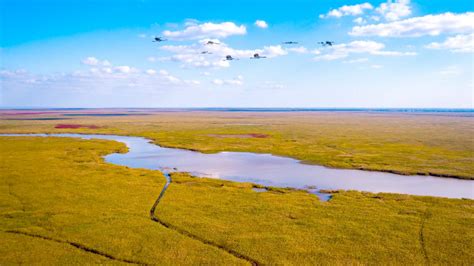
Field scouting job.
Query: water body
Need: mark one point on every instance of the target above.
(102, 114)
(269, 170)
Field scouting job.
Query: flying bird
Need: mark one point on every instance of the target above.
(326, 43)
(229, 58)
(212, 43)
(159, 39)
(290, 42)
(257, 56)
(206, 52)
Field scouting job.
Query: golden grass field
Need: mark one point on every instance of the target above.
(401, 143)
(60, 203)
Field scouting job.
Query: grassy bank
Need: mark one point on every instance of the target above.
(401, 143)
(60, 203)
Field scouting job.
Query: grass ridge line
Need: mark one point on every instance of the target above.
(190, 235)
(78, 246)
(426, 216)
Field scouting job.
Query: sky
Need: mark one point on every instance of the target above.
(386, 54)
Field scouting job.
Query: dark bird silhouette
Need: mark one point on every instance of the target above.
(229, 58)
(159, 39)
(290, 42)
(206, 52)
(257, 56)
(326, 43)
(212, 43)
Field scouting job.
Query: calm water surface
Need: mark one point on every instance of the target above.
(269, 170)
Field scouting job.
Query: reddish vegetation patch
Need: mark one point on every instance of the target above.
(75, 126)
(29, 113)
(241, 136)
(258, 135)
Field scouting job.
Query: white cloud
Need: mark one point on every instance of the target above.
(431, 25)
(192, 82)
(150, 72)
(152, 59)
(357, 60)
(271, 85)
(124, 69)
(376, 66)
(190, 22)
(206, 30)
(343, 50)
(92, 61)
(237, 81)
(99, 80)
(451, 71)
(360, 20)
(353, 10)
(394, 10)
(107, 70)
(457, 44)
(298, 50)
(190, 55)
(272, 51)
(12, 73)
(261, 24)
(167, 76)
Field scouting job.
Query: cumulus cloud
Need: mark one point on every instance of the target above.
(12, 73)
(457, 44)
(97, 79)
(391, 10)
(237, 81)
(352, 10)
(190, 55)
(92, 61)
(272, 51)
(356, 61)
(429, 25)
(261, 24)
(343, 50)
(150, 72)
(298, 50)
(206, 30)
(124, 69)
(394, 10)
(166, 75)
(360, 20)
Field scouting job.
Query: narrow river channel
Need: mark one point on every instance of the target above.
(269, 170)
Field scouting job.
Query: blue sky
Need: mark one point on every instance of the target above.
(398, 53)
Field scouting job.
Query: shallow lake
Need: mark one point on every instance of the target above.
(269, 170)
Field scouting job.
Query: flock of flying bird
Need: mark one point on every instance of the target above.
(255, 56)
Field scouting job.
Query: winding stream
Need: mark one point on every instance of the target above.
(269, 170)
